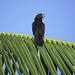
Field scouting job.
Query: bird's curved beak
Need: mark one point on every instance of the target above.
(43, 15)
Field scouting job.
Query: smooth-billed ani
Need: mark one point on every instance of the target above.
(38, 28)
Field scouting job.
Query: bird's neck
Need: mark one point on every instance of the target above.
(36, 19)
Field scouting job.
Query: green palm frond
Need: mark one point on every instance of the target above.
(20, 49)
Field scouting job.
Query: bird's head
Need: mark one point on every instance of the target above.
(39, 16)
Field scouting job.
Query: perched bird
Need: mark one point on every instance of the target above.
(38, 28)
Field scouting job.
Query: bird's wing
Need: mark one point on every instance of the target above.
(33, 28)
(40, 28)
(43, 29)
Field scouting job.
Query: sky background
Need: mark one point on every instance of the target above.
(16, 16)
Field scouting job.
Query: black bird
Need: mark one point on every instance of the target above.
(38, 28)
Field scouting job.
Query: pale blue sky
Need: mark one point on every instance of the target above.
(16, 16)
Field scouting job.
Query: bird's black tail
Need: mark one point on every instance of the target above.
(39, 40)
